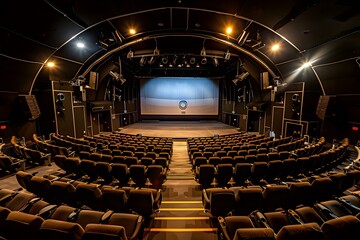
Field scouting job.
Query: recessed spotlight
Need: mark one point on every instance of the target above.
(132, 31)
(275, 47)
(50, 64)
(229, 30)
(80, 44)
(160, 24)
(197, 25)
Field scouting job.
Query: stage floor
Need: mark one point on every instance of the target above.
(179, 129)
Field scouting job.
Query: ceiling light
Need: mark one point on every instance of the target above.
(80, 44)
(50, 64)
(229, 30)
(132, 31)
(306, 64)
(197, 65)
(142, 61)
(275, 47)
(204, 60)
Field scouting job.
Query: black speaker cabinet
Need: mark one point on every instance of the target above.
(29, 106)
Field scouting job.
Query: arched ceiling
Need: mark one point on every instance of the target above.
(326, 33)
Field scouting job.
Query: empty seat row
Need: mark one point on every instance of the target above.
(241, 227)
(244, 200)
(108, 156)
(139, 171)
(84, 225)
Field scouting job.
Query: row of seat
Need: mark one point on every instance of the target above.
(241, 227)
(63, 222)
(244, 200)
(143, 201)
(121, 169)
(256, 168)
(107, 154)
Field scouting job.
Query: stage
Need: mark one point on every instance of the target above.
(179, 129)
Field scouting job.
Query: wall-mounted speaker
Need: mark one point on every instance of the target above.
(29, 106)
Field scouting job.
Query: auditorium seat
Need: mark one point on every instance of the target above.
(205, 175)
(275, 169)
(88, 167)
(301, 194)
(218, 201)
(346, 227)
(273, 156)
(96, 157)
(23, 178)
(104, 171)
(60, 230)
(18, 225)
(144, 201)
(62, 192)
(248, 199)
(114, 199)
(277, 197)
(129, 161)
(258, 172)
(230, 224)
(290, 168)
(214, 161)
(121, 173)
(138, 174)
(104, 232)
(242, 173)
(118, 159)
(307, 214)
(40, 186)
(308, 231)
(132, 223)
(323, 188)
(156, 175)
(89, 195)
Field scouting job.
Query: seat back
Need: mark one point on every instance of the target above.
(60, 230)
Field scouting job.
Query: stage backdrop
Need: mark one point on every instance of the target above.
(179, 96)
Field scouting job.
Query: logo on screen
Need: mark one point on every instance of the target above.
(183, 104)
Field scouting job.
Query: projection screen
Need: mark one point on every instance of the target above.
(179, 96)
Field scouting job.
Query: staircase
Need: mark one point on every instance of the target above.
(182, 213)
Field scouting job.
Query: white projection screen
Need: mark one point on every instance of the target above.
(179, 96)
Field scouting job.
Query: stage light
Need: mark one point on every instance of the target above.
(130, 54)
(165, 60)
(192, 60)
(156, 51)
(227, 55)
(132, 31)
(229, 30)
(50, 64)
(80, 44)
(215, 62)
(204, 60)
(152, 60)
(174, 60)
(142, 61)
(243, 75)
(203, 52)
(275, 47)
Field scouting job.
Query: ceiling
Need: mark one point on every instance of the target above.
(325, 33)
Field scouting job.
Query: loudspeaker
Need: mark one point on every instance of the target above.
(29, 106)
(83, 95)
(264, 79)
(93, 80)
(326, 107)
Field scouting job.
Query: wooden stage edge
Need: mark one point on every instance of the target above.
(179, 129)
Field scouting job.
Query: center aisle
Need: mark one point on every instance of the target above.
(182, 213)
